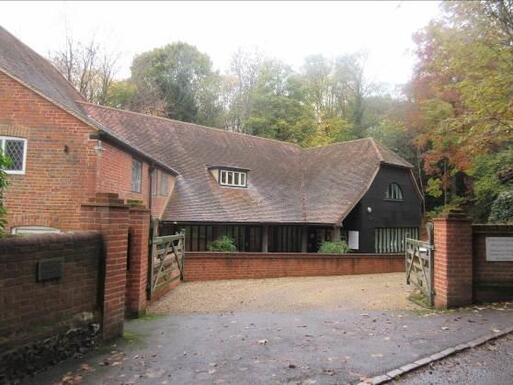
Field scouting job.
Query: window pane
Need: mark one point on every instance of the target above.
(164, 188)
(236, 178)
(14, 150)
(230, 177)
(223, 177)
(136, 175)
(243, 179)
(154, 182)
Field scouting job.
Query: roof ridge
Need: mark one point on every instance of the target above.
(378, 152)
(192, 124)
(44, 59)
(338, 143)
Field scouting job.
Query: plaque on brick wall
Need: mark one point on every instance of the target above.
(499, 249)
(50, 269)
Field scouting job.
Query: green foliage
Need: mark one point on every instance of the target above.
(502, 208)
(177, 81)
(337, 247)
(434, 187)
(4, 162)
(487, 185)
(121, 94)
(225, 243)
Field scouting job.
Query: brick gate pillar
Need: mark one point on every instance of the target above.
(453, 260)
(137, 276)
(109, 215)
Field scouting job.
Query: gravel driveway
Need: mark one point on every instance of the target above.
(362, 292)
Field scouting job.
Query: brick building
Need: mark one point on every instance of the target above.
(266, 194)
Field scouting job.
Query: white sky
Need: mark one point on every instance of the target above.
(286, 30)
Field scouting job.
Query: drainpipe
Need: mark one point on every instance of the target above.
(151, 168)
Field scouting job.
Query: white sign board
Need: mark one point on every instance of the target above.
(353, 240)
(499, 249)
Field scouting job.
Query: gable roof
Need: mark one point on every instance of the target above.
(23, 64)
(286, 183)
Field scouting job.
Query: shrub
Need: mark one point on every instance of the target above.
(338, 247)
(502, 208)
(225, 243)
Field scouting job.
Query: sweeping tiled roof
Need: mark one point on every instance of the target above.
(286, 184)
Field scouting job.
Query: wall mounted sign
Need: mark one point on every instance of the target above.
(499, 249)
(50, 269)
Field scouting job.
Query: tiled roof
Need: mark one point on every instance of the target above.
(286, 184)
(20, 61)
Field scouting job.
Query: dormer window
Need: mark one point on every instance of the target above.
(232, 178)
(394, 192)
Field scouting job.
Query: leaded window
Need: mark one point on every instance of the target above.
(15, 150)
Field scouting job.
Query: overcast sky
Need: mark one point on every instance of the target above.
(285, 30)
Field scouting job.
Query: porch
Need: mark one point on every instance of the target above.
(272, 238)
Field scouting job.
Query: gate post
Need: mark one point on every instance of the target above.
(453, 260)
(109, 215)
(137, 274)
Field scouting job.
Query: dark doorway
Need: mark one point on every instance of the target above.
(315, 237)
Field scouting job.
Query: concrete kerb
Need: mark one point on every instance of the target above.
(393, 374)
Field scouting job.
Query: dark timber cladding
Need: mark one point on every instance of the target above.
(376, 217)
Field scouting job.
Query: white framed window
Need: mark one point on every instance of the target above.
(232, 178)
(15, 149)
(136, 175)
(394, 192)
(164, 184)
(154, 182)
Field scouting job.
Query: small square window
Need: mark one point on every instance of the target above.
(15, 150)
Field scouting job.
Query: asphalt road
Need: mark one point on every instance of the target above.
(489, 364)
(319, 347)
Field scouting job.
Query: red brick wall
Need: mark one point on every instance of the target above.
(201, 266)
(137, 273)
(492, 280)
(452, 261)
(30, 309)
(60, 169)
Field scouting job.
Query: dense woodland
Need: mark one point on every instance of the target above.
(453, 121)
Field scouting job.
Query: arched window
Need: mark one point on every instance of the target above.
(394, 192)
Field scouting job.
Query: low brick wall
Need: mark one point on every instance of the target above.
(492, 281)
(200, 266)
(44, 322)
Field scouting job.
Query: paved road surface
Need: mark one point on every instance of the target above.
(489, 364)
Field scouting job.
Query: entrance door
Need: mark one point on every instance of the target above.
(317, 235)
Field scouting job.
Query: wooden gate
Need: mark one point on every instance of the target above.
(166, 262)
(419, 266)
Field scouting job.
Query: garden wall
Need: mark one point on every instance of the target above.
(492, 280)
(50, 296)
(201, 266)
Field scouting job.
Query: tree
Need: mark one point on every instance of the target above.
(4, 162)
(89, 67)
(177, 81)
(461, 92)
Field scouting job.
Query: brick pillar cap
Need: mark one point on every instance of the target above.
(454, 215)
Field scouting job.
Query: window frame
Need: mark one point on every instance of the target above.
(164, 176)
(139, 187)
(226, 175)
(389, 194)
(3, 140)
(154, 182)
